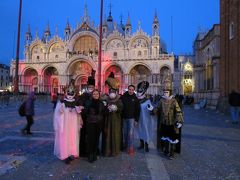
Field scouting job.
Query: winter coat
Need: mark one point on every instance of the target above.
(131, 106)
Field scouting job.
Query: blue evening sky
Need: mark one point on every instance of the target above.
(188, 17)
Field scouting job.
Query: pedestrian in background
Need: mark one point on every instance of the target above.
(130, 115)
(234, 102)
(29, 113)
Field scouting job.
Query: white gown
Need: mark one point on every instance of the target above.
(67, 124)
(147, 124)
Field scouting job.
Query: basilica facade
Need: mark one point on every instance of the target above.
(51, 61)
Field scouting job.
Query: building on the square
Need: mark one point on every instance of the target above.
(230, 46)
(50, 62)
(4, 77)
(206, 67)
(183, 73)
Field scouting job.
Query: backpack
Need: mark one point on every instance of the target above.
(21, 110)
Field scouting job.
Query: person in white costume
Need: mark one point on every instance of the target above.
(145, 128)
(67, 125)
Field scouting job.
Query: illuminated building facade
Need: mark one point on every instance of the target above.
(206, 68)
(51, 62)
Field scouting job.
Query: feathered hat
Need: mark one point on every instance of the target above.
(112, 82)
(142, 87)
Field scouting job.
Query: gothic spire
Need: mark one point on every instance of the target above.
(155, 21)
(128, 21)
(110, 19)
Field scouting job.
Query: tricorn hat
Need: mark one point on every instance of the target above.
(142, 87)
(112, 82)
(91, 79)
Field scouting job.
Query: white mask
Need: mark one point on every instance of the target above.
(166, 93)
(140, 95)
(112, 95)
(70, 97)
(90, 90)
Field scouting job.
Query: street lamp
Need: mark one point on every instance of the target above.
(16, 80)
(100, 48)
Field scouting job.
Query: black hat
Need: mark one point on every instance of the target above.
(91, 80)
(142, 87)
(112, 82)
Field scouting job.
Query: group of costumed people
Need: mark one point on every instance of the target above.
(79, 121)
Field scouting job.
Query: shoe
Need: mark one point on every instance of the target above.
(141, 146)
(67, 160)
(171, 156)
(131, 151)
(146, 147)
(90, 158)
(23, 131)
(29, 133)
(94, 157)
(71, 158)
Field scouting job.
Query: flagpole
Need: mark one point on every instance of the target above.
(16, 78)
(100, 49)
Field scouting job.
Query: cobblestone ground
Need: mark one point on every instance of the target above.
(210, 150)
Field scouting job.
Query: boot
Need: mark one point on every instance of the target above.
(162, 145)
(90, 158)
(141, 146)
(146, 147)
(166, 148)
(171, 153)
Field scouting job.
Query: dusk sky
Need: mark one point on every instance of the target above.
(188, 18)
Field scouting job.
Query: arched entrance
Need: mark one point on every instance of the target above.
(187, 80)
(165, 73)
(117, 74)
(79, 71)
(50, 80)
(81, 83)
(139, 73)
(30, 80)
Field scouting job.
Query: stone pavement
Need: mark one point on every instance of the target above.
(210, 150)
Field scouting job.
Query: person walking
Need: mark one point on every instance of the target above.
(234, 102)
(130, 115)
(29, 113)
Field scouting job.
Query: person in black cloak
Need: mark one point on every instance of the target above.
(82, 101)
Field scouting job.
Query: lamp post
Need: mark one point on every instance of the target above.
(16, 79)
(100, 48)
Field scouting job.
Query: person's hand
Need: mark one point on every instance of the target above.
(104, 103)
(135, 123)
(179, 125)
(149, 107)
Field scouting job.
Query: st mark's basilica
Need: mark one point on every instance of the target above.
(51, 62)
